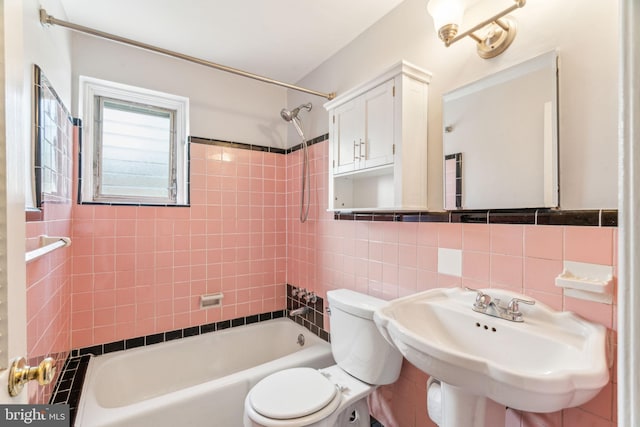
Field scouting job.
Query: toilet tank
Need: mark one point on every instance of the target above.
(357, 346)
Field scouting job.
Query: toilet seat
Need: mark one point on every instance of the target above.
(292, 393)
(281, 395)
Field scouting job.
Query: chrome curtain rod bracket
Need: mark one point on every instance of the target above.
(47, 19)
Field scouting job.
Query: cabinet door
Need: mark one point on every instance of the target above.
(348, 131)
(378, 148)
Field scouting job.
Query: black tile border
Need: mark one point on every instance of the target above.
(133, 343)
(153, 339)
(161, 337)
(114, 346)
(173, 335)
(608, 218)
(191, 332)
(254, 147)
(513, 216)
(69, 385)
(469, 217)
(585, 218)
(238, 145)
(310, 142)
(588, 218)
(434, 217)
(139, 205)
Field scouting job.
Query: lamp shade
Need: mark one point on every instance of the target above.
(446, 12)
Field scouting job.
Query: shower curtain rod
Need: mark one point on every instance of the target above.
(45, 18)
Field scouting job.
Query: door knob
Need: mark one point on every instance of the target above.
(21, 373)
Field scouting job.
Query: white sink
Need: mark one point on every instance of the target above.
(550, 361)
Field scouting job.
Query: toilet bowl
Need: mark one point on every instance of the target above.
(335, 396)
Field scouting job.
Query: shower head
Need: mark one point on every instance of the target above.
(289, 115)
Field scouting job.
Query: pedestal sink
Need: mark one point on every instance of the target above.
(548, 361)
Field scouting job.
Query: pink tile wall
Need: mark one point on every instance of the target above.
(48, 279)
(141, 270)
(48, 295)
(389, 260)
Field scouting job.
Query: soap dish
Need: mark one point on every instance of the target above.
(592, 282)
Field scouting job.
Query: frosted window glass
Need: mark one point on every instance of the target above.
(135, 153)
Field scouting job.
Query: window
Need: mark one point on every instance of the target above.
(134, 149)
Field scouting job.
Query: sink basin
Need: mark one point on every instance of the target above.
(550, 361)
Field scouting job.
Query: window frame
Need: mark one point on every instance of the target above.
(91, 91)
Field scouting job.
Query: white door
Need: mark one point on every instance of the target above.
(13, 311)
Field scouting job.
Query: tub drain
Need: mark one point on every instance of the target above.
(300, 340)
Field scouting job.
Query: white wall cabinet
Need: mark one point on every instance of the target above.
(378, 143)
(362, 130)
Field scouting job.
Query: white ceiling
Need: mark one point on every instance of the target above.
(280, 39)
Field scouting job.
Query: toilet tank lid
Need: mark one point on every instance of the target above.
(355, 303)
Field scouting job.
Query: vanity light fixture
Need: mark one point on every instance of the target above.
(498, 31)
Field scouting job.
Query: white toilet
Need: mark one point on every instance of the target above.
(335, 396)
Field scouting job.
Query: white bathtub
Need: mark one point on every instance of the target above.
(197, 381)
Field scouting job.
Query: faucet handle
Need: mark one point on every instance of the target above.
(477, 291)
(514, 307)
(311, 297)
(298, 292)
(482, 299)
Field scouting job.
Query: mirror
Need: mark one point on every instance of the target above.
(52, 135)
(500, 139)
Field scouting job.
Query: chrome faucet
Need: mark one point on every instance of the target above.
(492, 307)
(299, 311)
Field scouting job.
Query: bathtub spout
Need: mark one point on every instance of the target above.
(299, 311)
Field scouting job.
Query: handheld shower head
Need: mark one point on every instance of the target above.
(292, 116)
(289, 115)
